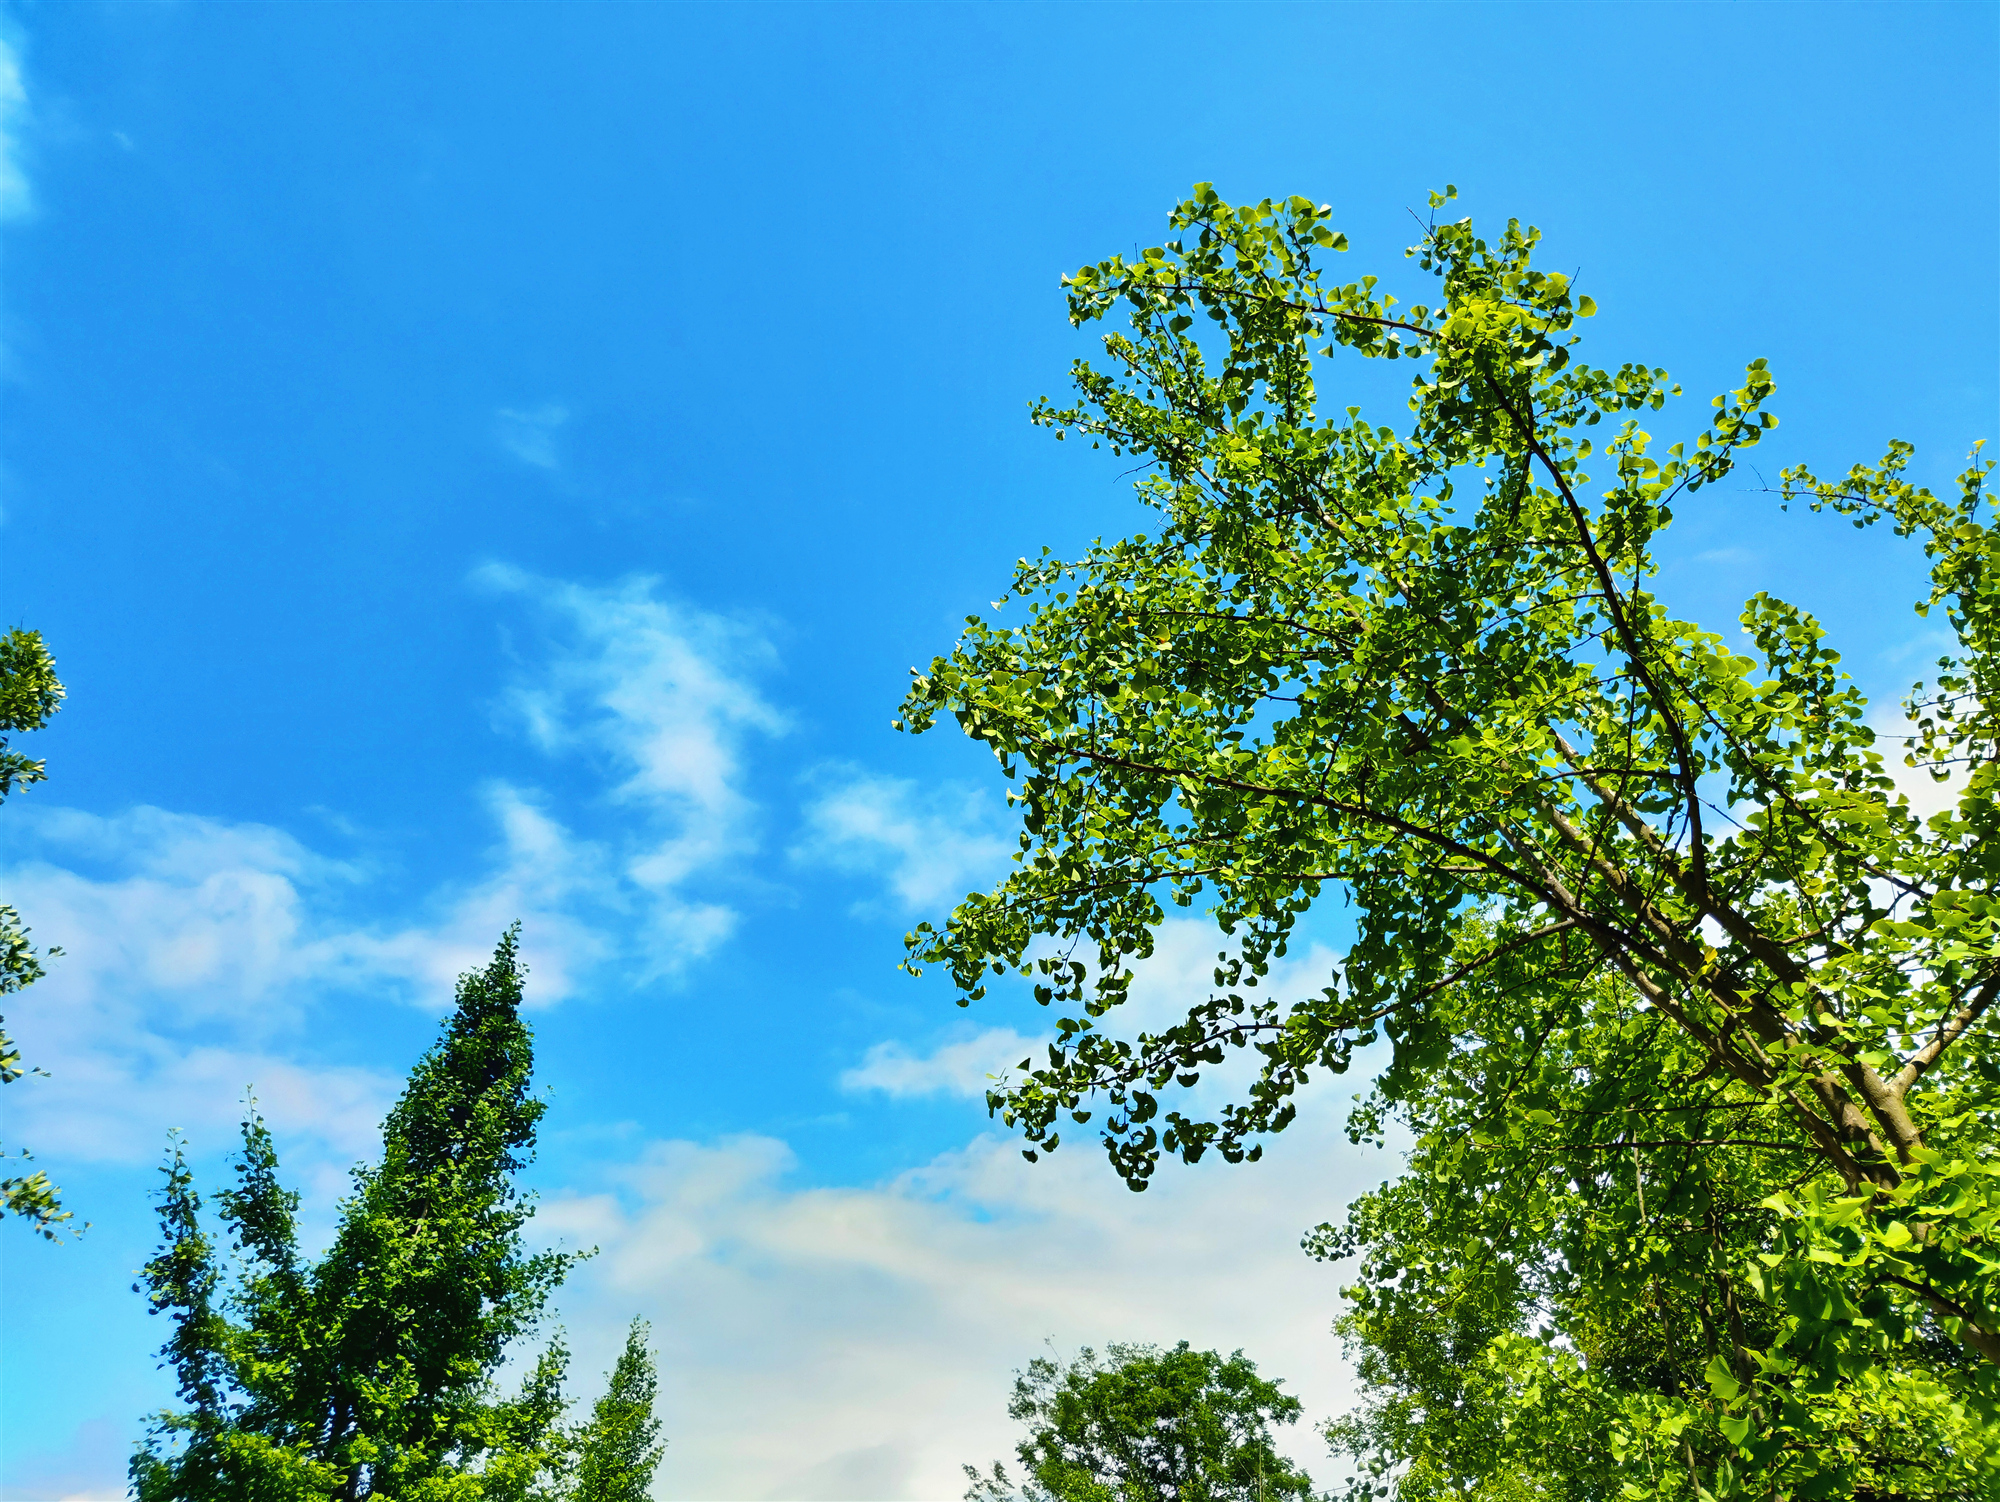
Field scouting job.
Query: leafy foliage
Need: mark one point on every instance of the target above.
(1544, 1316)
(30, 694)
(622, 1447)
(1689, 1008)
(1146, 1425)
(371, 1372)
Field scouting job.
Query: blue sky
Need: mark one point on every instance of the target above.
(493, 462)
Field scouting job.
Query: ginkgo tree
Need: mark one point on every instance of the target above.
(372, 1370)
(1690, 1009)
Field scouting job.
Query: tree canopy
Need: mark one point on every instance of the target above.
(1689, 1007)
(30, 695)
(1147, 1425)
(371, 1372)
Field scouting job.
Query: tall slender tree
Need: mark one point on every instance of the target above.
(370, 1373)
(621, 1446)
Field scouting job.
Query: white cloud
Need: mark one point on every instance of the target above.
(875, 1328)
(218, 921)
(963, 1067)
(195, 953)
(530, 436)
(16, 201)
(199, 952)
(930, 846)
(1894, 729)
(207, 918)
(540, 874)
(665, 694)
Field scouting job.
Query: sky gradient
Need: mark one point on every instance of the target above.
(478, 463)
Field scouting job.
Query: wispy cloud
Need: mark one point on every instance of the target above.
(666, 695)
(961, 1067)
(929, 846)
(208, 916)
(530, 434)
(16, 199)
(200, 953)
(559, 888)
(873, 1326)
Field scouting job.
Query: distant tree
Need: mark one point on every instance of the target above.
(1692, 1011)
(371, 1372)
(1146, 1425)
(30, 694)
(620, 1447)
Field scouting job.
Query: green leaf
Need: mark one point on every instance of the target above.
(1721, 1380)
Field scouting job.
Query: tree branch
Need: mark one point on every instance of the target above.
(1947, 1035)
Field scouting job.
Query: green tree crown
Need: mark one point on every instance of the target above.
(371, 1373)
(1147, 1425)
(1689, 1008)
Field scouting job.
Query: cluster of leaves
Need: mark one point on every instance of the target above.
(1689, 1008)
(370, 1373)
(1147, 1425)
(30, 694)
(1603, 1265)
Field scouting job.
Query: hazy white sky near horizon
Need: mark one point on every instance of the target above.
(478, 463)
